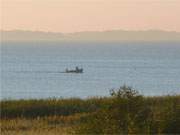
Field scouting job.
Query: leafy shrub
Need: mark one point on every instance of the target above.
(131, 113)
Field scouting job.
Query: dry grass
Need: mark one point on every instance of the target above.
(56, 125)
(54, 131)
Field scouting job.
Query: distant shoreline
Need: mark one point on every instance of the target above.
(92, 36)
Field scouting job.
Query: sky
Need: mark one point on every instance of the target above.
(89, 15)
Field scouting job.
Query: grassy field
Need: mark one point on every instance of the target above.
(125, 111)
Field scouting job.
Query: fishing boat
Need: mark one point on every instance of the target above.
(76, 70)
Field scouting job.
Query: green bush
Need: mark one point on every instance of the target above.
(131, 113)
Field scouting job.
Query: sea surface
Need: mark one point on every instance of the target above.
(33, 69)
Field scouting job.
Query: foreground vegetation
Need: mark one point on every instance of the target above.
(124, 112)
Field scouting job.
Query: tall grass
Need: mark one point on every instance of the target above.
(50, 107)
(124, 112)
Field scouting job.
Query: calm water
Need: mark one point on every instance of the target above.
(31, 70)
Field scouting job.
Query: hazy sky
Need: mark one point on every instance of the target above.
(90, 15)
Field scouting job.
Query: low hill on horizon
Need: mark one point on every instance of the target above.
(114, 35)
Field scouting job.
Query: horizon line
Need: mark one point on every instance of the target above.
(83, 31)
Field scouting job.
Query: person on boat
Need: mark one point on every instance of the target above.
(77, 69)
